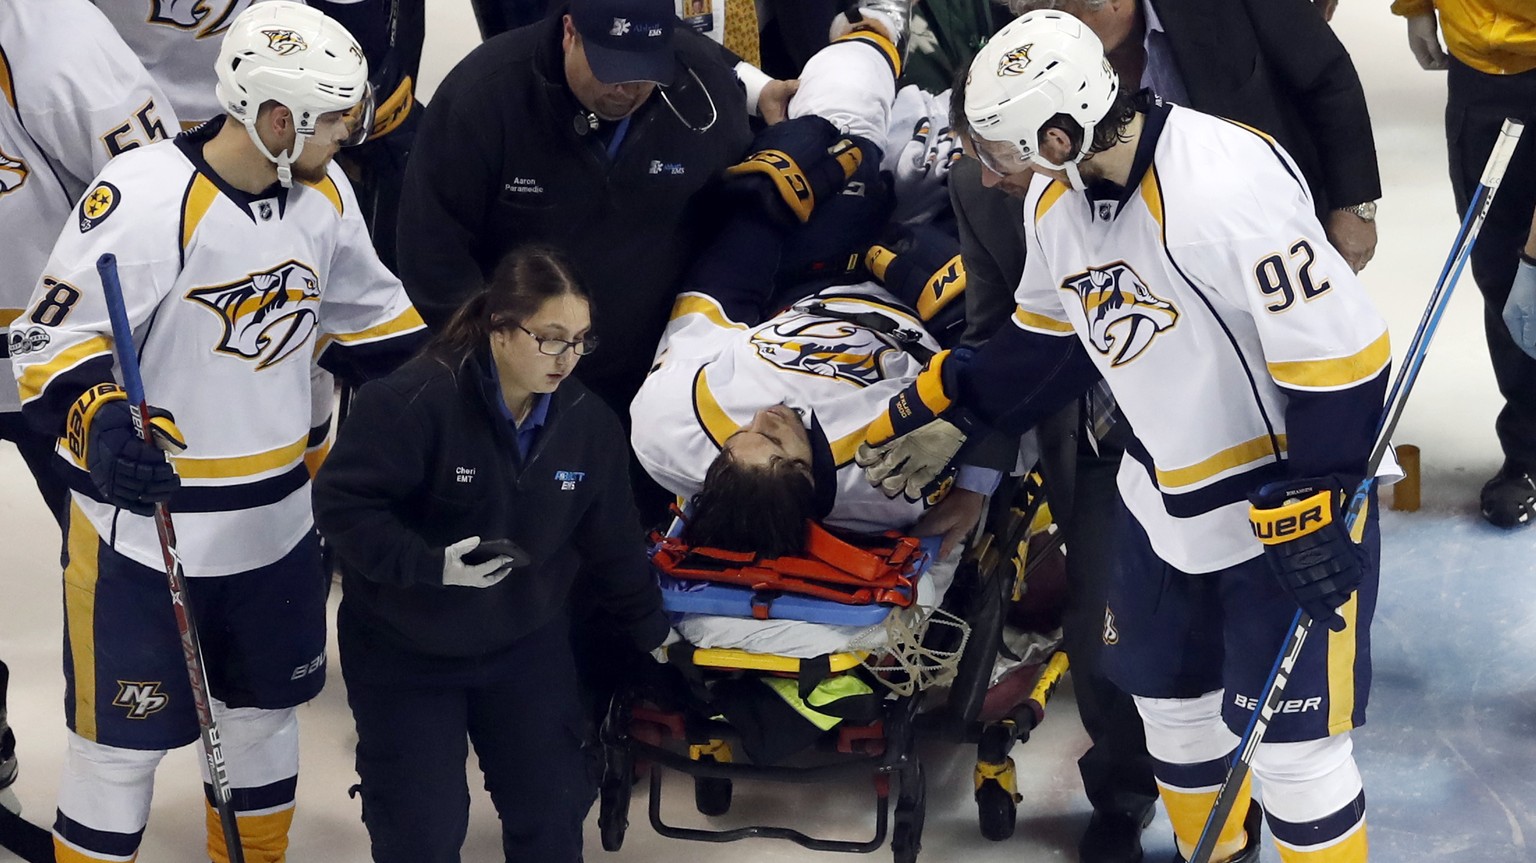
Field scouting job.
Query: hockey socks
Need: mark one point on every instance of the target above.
(1191, 749)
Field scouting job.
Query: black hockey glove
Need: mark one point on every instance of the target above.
(1301, 524)
(921, 266)
(796, 163)
(130, 473)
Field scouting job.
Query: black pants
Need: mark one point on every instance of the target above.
(416, 717)
(37, 451)
(1116, 769)
(1476, 108)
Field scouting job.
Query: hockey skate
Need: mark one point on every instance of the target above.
(894, 16)
(1252, 824)
(1509, 498)
(8, 766)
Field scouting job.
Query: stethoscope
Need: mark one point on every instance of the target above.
(713, 114)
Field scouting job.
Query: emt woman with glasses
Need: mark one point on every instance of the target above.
(463, 493)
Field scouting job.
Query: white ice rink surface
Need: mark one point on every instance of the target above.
(1449, 754)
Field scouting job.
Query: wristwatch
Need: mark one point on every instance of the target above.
(1366, 211)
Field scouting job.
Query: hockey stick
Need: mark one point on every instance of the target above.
(1418, 349)
(25, 839)
(191, 646)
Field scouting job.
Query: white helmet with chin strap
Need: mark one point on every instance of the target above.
(1042, 64)
(296, 56)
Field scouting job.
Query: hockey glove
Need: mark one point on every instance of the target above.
(794, 164)
(458, 571)
(909, 448)
(1520, 308)
(921, 267)
(1301, 524)
(128, 472)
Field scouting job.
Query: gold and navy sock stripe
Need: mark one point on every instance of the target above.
(1337, 838)
(74, 842)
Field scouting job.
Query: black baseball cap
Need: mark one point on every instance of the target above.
(627, 40)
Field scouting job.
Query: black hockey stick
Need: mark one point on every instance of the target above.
(191, 647)
(1413, 360)
(25, 839)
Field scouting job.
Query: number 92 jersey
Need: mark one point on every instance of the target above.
(1212, 303)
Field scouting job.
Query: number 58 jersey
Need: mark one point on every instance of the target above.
(232, 298)
(1237, 341)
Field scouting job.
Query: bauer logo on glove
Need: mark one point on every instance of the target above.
(1306, 546)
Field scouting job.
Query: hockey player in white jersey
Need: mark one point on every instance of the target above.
(1177, 255)
(74, 97)
(242, 256)
(755, 415)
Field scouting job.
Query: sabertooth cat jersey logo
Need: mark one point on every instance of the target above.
(1015, 62)
(267, 316)
(828, 349)
(209, 17)
(285, 42)
(1123, 315)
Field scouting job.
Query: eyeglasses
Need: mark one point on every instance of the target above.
(1000, 157)
(554, 347)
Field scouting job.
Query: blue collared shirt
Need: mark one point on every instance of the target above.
(526, 433)
(1161, 73)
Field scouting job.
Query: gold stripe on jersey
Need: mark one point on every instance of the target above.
(80, 575)
(1341, 667)
(712, 417)
(843, 448)
(1152, 195)
(1247, 452)
(1032, 321)
(327, 187)
(1262, 134)
(402, 323)
(1048, 198)
(1354, 848)
(1336, 373)
(200, 195)
(879, 41)
(241, 466)
(7, 316)
(697, 304)
(34, 378)
(7, 84)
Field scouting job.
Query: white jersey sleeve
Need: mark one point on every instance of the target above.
(364, 304)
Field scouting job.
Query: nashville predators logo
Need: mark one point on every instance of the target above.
(285, 42)
(97, 204)
(268, 316)
(13, 173)
(195, 14)
(1015, 62)
(828, 349)
(141, 698)
(1124, 316)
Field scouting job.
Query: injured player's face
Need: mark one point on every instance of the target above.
(774, 434)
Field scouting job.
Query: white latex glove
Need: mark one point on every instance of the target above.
(660, 653)
(1520, 308)
(458, 573)
(1424, 41)
(907, 464)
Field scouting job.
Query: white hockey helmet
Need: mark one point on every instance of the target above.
(1042, 64)
(289, 53)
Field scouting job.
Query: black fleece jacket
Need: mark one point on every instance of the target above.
(425, 459)
(505, 157)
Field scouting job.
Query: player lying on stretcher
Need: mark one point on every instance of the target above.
(771, 369)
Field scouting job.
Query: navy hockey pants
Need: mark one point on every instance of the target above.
(416, 718)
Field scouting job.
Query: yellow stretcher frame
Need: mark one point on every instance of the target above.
(747, 661)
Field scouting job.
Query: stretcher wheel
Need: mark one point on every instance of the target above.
(911, 807)
(613, 798)
(712, 796)
(996, 811)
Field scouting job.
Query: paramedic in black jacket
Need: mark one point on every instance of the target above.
(481, 438)
(526, 142)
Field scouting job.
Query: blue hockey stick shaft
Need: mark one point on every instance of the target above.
(1418, 349)
(191, 645)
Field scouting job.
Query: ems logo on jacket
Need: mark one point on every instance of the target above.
(267, 316)
(98, 204)
(569, 478)
(1124, 316)
(142, 698)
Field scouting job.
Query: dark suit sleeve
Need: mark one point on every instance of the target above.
(989, 248)
(445, 202)
(1313, 70)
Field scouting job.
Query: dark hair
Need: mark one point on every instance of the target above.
(526, 278)
(756, 508)
(959, 123)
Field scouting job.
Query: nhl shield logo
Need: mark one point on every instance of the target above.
(1124, 316)
(268, 316)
